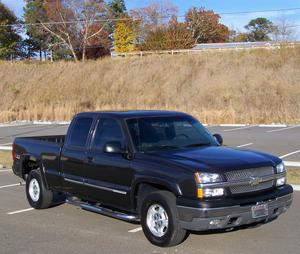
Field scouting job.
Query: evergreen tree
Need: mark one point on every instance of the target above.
(9, 38)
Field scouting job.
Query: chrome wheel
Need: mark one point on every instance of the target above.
(34, 190)
(157, 220)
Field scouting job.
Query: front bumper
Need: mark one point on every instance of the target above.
(202, 219)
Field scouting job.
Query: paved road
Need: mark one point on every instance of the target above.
(281, 141)
(67, 229)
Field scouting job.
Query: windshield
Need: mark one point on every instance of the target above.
(158, 133)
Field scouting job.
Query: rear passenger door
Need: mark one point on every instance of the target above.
(108, 176)
(74, 155)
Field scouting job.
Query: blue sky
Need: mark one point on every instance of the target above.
(236, 21)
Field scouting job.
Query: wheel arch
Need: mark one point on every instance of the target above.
(31, 162)
(145, 185)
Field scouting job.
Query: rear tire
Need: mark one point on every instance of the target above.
(159, 219)
(37, 195)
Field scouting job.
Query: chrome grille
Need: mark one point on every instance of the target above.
(246, 174)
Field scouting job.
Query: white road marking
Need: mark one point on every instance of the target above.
(6, 144)
(240, 128)
(232, 125)
(10, 185)
(292, 163)
(289, 154)
(5, 170)
(135, 230)
(283, 129)
(296, 187)
(5, 148)
(20, 211)
(272, 125)
(249, 144)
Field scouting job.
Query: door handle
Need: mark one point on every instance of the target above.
(90, 159)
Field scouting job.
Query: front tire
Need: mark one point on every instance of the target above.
(37, 195)
(159, 219)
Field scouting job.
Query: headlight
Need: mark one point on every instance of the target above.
(208, 178)
(280, 181)
(280, 168)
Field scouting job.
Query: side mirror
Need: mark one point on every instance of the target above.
(113, 147)
(218, 138)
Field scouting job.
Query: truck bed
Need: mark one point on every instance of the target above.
(53, 138)
(39, 147)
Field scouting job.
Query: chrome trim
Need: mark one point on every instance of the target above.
(105, 188)
(102, 210)
(111, 213)
(239, 182)
(72, 181)
(95, 186)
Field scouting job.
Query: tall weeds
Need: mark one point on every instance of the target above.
(258, 86)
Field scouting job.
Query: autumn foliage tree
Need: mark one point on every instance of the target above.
(174, 36)
(205, 26)
(78, 24)
(124, 36)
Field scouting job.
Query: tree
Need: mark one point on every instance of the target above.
(39, 39)
(9, 38)
(153, 16)
(174, 36)
(284, 30)
(117, 8)
(177, 36)
(260, 29)
(80, 25)
(242, 37)
(155, 40)
(205, 26)
(124, 36)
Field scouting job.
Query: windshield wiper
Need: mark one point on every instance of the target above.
(197, 144)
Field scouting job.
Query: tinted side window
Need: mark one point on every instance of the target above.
(107, 130)
(80, 132)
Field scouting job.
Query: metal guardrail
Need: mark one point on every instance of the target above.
(210, 47)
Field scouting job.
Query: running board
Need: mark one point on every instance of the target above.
(104, 211)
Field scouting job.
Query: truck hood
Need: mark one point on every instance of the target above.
(217, 158)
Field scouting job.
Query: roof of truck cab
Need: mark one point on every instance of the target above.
(134, 113)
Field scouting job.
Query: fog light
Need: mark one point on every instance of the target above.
(280, 181)
(215, 222)
(213, 192)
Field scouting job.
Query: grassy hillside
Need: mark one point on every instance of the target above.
(259, 86)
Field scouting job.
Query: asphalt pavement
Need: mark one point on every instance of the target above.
(68, 229)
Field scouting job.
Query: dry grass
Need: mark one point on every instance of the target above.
(5, 159)
(259, 86)
(293, 176)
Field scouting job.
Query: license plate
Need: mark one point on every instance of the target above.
(260, 211)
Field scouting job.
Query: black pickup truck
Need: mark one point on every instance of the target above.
(160, 168)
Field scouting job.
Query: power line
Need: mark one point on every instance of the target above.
(259, 11)
(124, 19)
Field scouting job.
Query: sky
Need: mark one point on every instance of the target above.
(237, 21)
